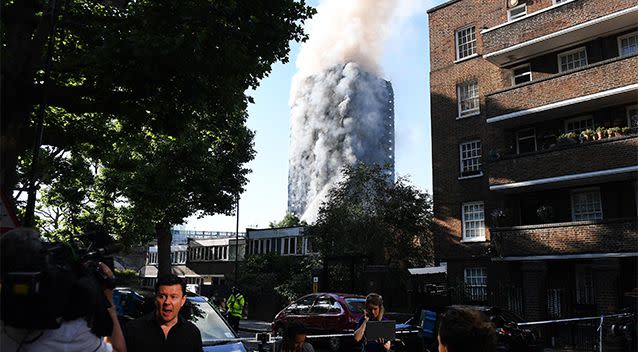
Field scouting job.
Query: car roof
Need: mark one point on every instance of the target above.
(197, 298)
(339, 295)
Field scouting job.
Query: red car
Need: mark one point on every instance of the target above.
(323, 313)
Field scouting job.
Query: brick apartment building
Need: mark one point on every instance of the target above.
(530, 212)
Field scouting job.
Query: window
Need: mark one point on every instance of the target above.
(554, 303)
(473, 221)
(526, 141)
(632, 116)
(152, 258)
(516, 12)
(468, 98)
(584, 285)
(470, 157)
(586, 205)
(579, 124)
(465, 42)
(476, 283)
(521, 74)
(628, 44)
(572, 59)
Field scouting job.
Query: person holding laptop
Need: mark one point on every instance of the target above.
(373, 312)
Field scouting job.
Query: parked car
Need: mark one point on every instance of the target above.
(215, 330)
(323, 313)
(328, 313)
(510, 337)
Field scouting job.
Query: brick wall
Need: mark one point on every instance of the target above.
(589, 156)
(600, 77)
(613, 236)
(447, 130)
(561, 17)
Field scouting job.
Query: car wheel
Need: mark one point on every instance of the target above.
(334, 344)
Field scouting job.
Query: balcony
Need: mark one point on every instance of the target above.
(605, 83)
(579, 164)
(582, 237)
(555, 27)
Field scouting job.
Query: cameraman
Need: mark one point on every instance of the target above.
(22, 251)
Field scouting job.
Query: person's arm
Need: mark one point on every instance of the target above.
(117, 337)
(307, 347)
(358, 334)
(198, 340)
(385, 344)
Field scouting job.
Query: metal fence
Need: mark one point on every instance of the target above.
(267, 342)
(582, 334)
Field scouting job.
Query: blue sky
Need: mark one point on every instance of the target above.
(405, 63)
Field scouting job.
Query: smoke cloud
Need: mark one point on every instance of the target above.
(341, 111)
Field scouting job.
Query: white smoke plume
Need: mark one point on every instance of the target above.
(345, 31)
(341, 112)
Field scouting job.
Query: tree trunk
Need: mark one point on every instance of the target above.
(164, 238)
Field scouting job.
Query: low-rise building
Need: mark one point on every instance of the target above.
(283, 241)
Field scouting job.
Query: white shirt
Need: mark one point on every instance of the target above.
(71, 336)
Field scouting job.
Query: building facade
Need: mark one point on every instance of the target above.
(534, 115)
(286, 241)
(205, 259)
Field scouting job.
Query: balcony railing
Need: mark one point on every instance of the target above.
(557, 26)
(579, 158)
(605, 82)
(582, 237)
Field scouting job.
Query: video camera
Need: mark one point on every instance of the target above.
(61, 281)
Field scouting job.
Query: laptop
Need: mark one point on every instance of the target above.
(384, 329)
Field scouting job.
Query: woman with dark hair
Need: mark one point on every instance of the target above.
(374, 311)
(294, 338)
(465, 330)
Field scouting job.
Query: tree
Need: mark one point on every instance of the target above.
(287, 277)
(145, 97)
(368, 215)
(289, 220)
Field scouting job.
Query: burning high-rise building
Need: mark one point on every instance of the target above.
(342, 112)
(339, 117)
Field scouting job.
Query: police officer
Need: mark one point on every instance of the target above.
(235, 305)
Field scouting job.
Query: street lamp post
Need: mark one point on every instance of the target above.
(237, 240)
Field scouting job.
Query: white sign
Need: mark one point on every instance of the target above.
(8, 220)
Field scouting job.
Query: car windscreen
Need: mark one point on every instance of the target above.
(356, 305)
(211, 325)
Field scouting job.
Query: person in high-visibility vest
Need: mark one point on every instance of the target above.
(235, 305)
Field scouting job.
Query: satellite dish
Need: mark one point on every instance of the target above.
(512, 3)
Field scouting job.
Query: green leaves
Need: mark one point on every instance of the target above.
(146, 101)
(368, 215)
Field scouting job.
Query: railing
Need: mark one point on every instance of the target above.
(574, 159)
(614, 235)
(267, 342)
(581, 334)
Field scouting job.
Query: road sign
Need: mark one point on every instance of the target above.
(8, 220)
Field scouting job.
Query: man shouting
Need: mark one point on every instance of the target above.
(164, 330)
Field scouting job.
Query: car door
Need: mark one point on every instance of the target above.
(326, 313)
(299, 310)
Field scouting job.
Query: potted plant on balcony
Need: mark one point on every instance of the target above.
(614, 131)
(625, 131)
(600, 132)
(567, 138)
(545, 213)
(499, 217)
(587, 135)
